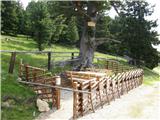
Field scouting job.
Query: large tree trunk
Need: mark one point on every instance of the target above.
(87, 43)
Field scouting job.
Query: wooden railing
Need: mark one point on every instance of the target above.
(114, 65)
(102, 90)
(38, 75)
(49, 54)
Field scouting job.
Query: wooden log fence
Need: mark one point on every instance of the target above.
(49, 54)
(89, 91)
(103, 91)
(114, 65)
(111, 64)
(53, 86)
(12, 62)
(49, 60)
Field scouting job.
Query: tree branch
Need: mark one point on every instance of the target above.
(113, 4)
(100, 41)
(80, 10)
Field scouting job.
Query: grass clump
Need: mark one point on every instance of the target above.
(150, 76)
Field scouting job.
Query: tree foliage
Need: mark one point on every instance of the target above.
(72, 31)
(9, 17)
(40, 22)
(66, 22)
(135, 32)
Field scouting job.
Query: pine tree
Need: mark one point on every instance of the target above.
(72, 31)
(21, 18)
(9, 17)
(39, 22)
(136, 32)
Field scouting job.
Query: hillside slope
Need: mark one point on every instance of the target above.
(18, 101)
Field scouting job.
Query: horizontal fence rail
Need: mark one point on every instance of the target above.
(10, 51)
(57, 87)
(49, 54)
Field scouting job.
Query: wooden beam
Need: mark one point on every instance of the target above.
(72, 56)
(10, 51)
(12, 62)
(50, 86)
(49, 61)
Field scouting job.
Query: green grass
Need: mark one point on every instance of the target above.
(157, 69)
(23, 110)
(150, 76)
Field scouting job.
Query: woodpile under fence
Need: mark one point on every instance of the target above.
(103, 89)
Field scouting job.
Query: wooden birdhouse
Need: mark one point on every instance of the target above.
(91, 24)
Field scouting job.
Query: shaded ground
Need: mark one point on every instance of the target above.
(140, 103)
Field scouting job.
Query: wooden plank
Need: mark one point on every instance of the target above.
(10, 51)
(51, 86)
(91, 24)
(81, 100)
(12, 62)
(49, 61)
(83, 80)
(72, 55)
(58, 98)
(20, 69)
(74, 100)
(31, 67)
(27, 72)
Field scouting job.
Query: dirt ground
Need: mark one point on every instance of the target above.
(140, 103)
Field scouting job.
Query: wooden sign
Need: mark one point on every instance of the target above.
(91, 24)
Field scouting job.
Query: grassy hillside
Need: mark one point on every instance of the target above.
(157, 69)
(20, 98)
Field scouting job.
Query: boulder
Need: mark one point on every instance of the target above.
(5, 104)
(19, 79)
(43, 106)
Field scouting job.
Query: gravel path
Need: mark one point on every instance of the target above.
(140, 103)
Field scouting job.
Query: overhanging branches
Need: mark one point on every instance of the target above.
(100, 41)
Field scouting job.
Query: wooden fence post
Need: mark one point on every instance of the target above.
(107, 65)
(12, 62)
(58, 98)
(75, 111)
(20, 69)
(72, 56)
(27, 71)
(49, 60)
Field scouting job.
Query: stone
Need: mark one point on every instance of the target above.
(19, 79)
(39, 91)
(42, 105)
(5, 104)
